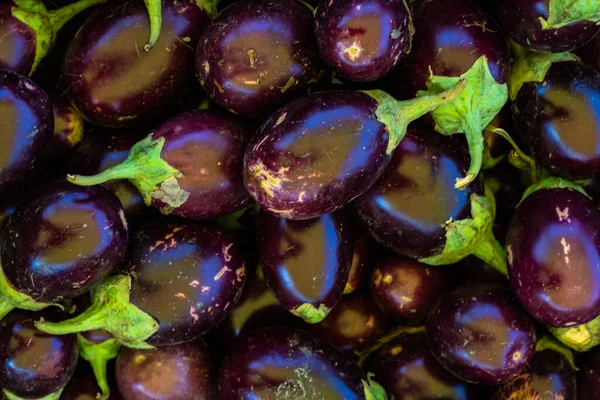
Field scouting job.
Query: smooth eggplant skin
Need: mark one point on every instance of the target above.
(306, 262)
(405, 289)
(316, 154)
(186, 274)
(180, 372)
(588, 376)
(82, 385)
(553, 246)
(258, 55)
(520, 19)
(363, 40)
(407, 208)
(479, 333)
(289, 364)
(109, 76)
(63, 240)
(590, 53)
(34, 364)
(17, 47)
(26, 130)
(559, 120)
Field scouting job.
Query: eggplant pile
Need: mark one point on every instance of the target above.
(300, 199)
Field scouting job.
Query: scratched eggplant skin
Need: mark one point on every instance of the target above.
(188, 275)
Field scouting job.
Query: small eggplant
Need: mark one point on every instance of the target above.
(366, 252)
(363, 40)
(58, 244)
(282, 363)
(306, 263)
(82, 386)
(480, 334)
(180, 372)
(588, 376)
(318, 153)
(189, 166)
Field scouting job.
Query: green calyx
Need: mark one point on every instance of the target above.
(373, 390)
(565, 12)
(396, 115)
(210, 6)
(532, 66)
(553, 182)
(112, 312)
(547, 342)
(470, 112)
(147, 171)
(51, 396)
(581, 337)
(98, 355)
(473, 236)
(311, 314)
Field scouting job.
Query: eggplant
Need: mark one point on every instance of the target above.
(189, 166)
(82, 386)
(319, 152)
(68, 131)
(285, 363)
(588, 376)
(306, 263)
(479, 333)
(180, 372)
(363, 40)
(366, 252)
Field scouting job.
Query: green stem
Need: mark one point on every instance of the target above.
(492, 253)
(58, 18)
(128, 169)
(520, 153)
(155, 15)
(474, 136)
(98, 355)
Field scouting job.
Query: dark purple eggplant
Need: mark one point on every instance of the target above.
(588, 376)
(319, 152)
(33, 364)
(82, 386)
(480, 334)
(68, 131)
(282, 363)
(363, 40)
(366, 252)
(190, 166)
(186, 276)
(549, 25)
(112, 80)
(180, 372)
(553, 246)
(306, 263)
(26, 131)
(405, 289)
(590, 53)
(257, 55)
(58, 244)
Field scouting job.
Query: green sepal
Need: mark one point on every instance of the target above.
(98, 355)
(373, 390)
(532, 66)
(210, 6)
(311, 314)
(548, 342)
(154, 8)
(553, 182)
(581, 337)
(44, 35)
(147, 171)
(565, 12)
(470, 112)
(473, 236)
(52, 396)
(112, 312)
(396, 115)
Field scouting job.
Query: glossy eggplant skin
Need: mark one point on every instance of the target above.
(407, 208)
(553, 246)
(17, 48)
(590, 53)
(187, 275)
(316, 154)
(559, 120)
(258, 55)
(290, 364)
(63, 240)
(180, 372)
(363, 40)
(480, 334)
(305, 261)
(34, 364)
(520, 19)
(112, 80)
(588, 376)
(26, 131)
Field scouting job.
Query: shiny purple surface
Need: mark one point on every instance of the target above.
(17, 47)
(553, 246)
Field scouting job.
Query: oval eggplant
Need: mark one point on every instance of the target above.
(588, 376)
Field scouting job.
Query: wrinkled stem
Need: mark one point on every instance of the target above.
(58, 18)
(155, 14)
(90, 319)
(472, 128)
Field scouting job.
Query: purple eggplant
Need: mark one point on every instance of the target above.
(318, 153)
(190, 166)
(282, 363)
(112, 80)
(257, 55)
(58, 244)
(68, 131)
(590, 53)
(34, 364)
(480, 334)
(306, 263)
(26, 131)
(405, 289)
(548, 25)
(363, 40)
(180, 372)
(186, 276)
(553, 246)
(82, 386)
(366, 252)
(588, 376)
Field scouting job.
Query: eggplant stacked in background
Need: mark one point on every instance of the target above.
(270, 200)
